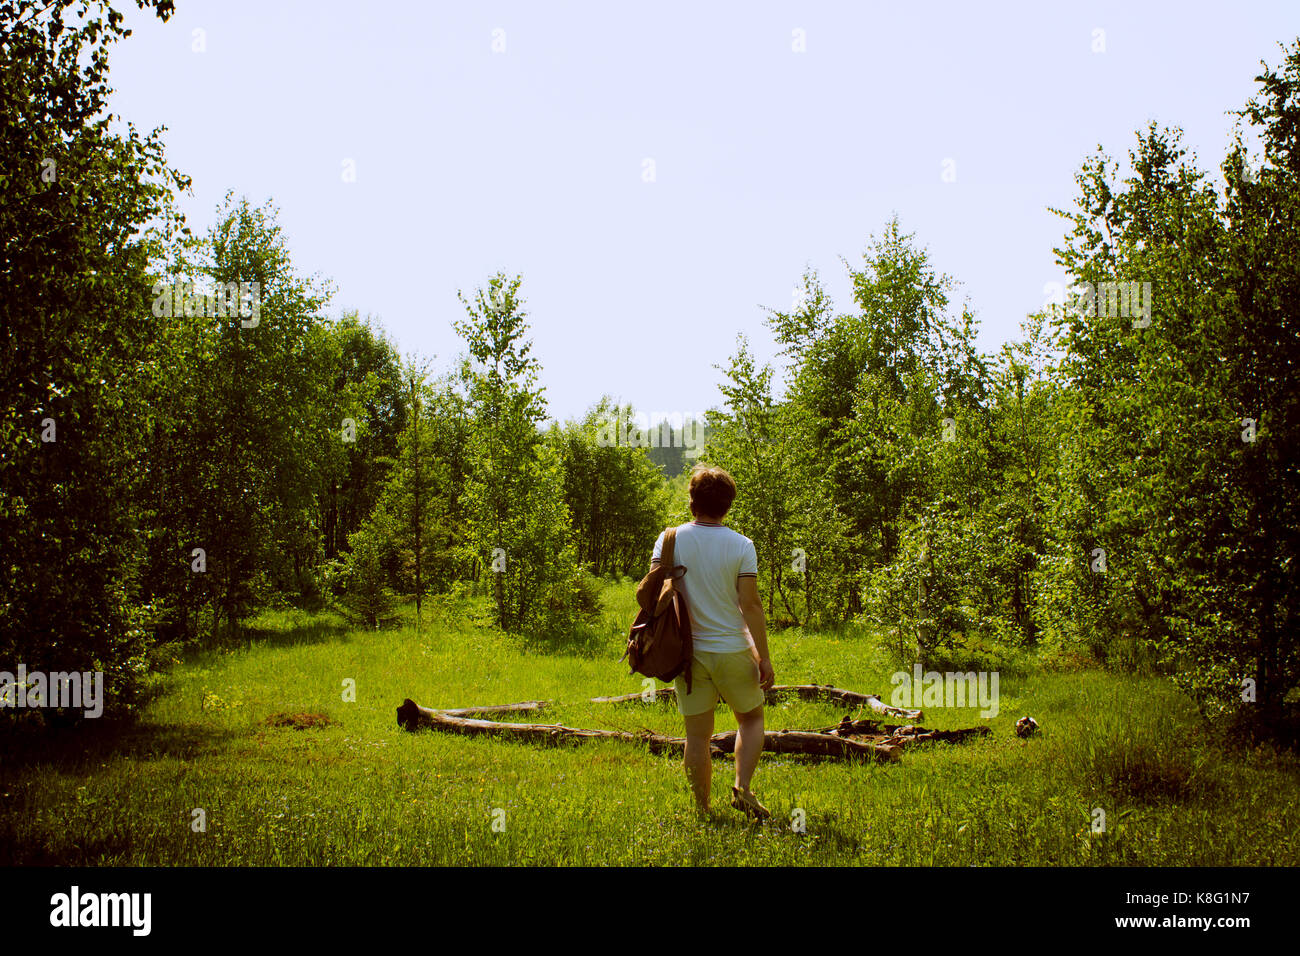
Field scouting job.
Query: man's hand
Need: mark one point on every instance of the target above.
(766, 676)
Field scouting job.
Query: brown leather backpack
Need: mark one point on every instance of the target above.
(659, 644)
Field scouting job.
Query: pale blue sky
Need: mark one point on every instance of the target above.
(530, 160)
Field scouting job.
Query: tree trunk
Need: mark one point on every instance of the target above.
(417, 517)
(923, 634)
(786, 601)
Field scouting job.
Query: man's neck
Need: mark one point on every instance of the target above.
(708, 522)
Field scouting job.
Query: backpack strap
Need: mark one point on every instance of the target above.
(668, 556)
(667, 561)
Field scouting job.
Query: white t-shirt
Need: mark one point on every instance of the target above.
(714, 557)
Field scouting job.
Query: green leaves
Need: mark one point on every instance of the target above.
(72, 338)
(367, 599)
(1163, 461)
(616, 497)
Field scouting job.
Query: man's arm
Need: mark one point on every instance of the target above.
(751, 606)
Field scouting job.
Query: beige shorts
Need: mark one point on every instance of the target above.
(733, 675)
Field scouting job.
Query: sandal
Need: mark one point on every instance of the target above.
(749, 803)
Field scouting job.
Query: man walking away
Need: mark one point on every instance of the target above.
(730, 637)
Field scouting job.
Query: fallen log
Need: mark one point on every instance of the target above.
(840, 696)
(814, 744)
(662, 694)
(527, 706)
(920, 734)
(898, 735)
(411, 716)
(802, 691)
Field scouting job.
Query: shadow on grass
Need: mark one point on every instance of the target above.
(88, 852)
(587, 643)
(93, 741)
(307, 632)
(1154, 774)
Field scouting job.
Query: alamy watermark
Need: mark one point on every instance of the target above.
(655, 430)
(78, 690)
(1114, 299)
(129, 910)
(226, 300)
(949, 689)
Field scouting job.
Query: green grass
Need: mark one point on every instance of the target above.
(356, 790)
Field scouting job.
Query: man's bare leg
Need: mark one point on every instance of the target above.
(749, 744)
(699, 763)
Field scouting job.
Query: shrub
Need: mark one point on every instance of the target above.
(366, 598)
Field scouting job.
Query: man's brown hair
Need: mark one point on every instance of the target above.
(712, 491)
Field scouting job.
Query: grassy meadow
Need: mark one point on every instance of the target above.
(338, 783)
